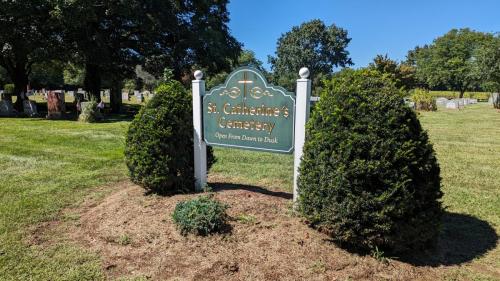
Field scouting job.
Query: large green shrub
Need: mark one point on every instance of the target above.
(159, 146)
(200, 216)
(369, 176)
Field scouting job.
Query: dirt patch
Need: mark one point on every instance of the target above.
(135, 236)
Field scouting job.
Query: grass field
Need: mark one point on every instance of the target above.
(48, 165)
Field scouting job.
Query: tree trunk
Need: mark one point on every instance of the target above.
(20, 79)
(115, 96)
(92, 81)
(461, 94)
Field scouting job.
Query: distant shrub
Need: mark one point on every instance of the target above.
(455, 95)
(90, 113)
(423, 100)
(9, 88)
(200, 216)
(369, 176)
(159, 149)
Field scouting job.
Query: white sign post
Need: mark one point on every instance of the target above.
(303, 101)
(200, 147)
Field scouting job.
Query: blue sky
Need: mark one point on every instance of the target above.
(376, 27)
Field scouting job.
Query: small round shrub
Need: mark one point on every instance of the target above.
(9, 88)
(90, 112)
(200, 216)
(423, 100)
(159, 149)
(369, 176)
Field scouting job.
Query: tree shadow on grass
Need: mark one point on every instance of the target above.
(219, 186)
(462, 239)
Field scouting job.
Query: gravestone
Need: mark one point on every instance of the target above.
(495, 100)
(29, 108)
(6, 108)
(55, 105)
(452, 104)
(441, 101)
(138, 96)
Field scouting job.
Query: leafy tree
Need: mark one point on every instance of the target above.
(147, 79)
(28, 34)
(73, 75)
(111, 38)
(449, 60)
(313, 45)
(488, 65)
(403, 74)
(47, 75)
(4, 77)
(106, 37)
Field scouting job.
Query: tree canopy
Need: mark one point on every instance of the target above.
(488, 65)
(402, 73)
(108, 39)
(28, 34)
(313, 45)
(449, 61)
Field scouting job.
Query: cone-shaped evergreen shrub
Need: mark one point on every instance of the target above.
(369, 176)
(159, 146)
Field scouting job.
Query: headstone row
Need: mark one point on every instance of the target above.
(139, 96)
(455, 103)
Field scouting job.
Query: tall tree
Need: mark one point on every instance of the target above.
(313, 45)
(488, 65)
(112, 37)
(106, 37)
(449, 60)
(403, 74)
(28, 34)
(48, 74)
(4, 78)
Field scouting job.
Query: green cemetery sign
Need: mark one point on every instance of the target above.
(246, 112)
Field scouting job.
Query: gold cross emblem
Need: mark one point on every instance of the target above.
(245, 82)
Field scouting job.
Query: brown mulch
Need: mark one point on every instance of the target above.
(135, 236)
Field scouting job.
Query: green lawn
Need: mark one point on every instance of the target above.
(467, 143)
(47, 165)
